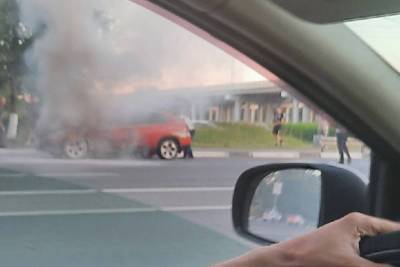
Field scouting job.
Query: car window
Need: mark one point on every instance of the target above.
(79, 188)
(381, 35)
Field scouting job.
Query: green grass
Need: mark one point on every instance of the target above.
(303, 131)
(242, 136)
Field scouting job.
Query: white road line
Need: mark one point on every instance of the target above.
(335, 155)
(276, 155)
(13, 175)
(166, 189)
(85, 162)
(74, 212)
(210, 154)
(111, 211)
(195, 208)
(63, 174)
(115, 191)
(78, 174)
(13, 151)
(48, 192)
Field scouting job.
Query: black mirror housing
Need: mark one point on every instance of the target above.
(342, 192)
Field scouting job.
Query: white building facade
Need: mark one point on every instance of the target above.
(253, 103)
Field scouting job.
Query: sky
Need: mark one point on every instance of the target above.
(110, 47)
(146, 50)
(178, 57)
(381, 34)
(87, 51)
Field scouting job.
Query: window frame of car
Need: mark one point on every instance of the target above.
(341, 79)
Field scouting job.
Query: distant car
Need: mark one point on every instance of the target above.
(144, 136)
(295, 220)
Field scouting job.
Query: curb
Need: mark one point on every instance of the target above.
(274, 154)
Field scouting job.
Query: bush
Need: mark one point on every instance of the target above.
(238, 135)
(303, 131)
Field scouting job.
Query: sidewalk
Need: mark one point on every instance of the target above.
(215, 153)
(11, 152)
(273, 154)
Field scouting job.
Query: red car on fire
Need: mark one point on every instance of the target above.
(157, 133)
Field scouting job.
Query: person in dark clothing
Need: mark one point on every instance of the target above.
(341, 141)
(189, 152)
(277, 126)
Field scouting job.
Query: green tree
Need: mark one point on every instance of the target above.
(15, 39)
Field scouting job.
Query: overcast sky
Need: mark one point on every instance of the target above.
(178, 57)
(383, 35)
(144, 49)
(190, 60)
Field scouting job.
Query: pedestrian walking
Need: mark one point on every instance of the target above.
(277, 127)
(341, 141)
(188, 153)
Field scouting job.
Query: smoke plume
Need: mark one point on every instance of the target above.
(88, 51)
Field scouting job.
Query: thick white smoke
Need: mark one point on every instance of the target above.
(86, 50)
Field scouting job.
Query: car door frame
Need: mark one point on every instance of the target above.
(227, 21)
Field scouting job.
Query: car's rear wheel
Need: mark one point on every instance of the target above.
(168, 149)
(76, 148)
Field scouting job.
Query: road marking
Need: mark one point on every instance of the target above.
(166, 189)
(115, 191)
(335, 155)
(111, 211)
(210, 154)
(48, 192)
(74, 212)
(17, 152)
(276, 155)
(62, 174)
(195, 208)
(78, 174)
(13, 175)
(84, 162)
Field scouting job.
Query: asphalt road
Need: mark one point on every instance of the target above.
(123, 212)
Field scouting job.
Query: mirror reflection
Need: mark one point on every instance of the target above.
(286, 204)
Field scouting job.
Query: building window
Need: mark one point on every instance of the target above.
(266, 115)
(228, 114)
(300, 114)
(242, 114)
(213, 114)
(256, 115)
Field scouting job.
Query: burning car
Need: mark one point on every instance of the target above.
(144, 136)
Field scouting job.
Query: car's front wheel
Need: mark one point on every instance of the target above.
(168, 149)
(76, 148)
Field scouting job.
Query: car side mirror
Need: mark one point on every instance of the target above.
(272, 203)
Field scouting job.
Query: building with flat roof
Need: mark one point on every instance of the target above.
(253, 102)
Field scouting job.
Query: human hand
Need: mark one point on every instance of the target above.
(333, 245)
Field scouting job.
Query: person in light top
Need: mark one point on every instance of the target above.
(189, 152)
